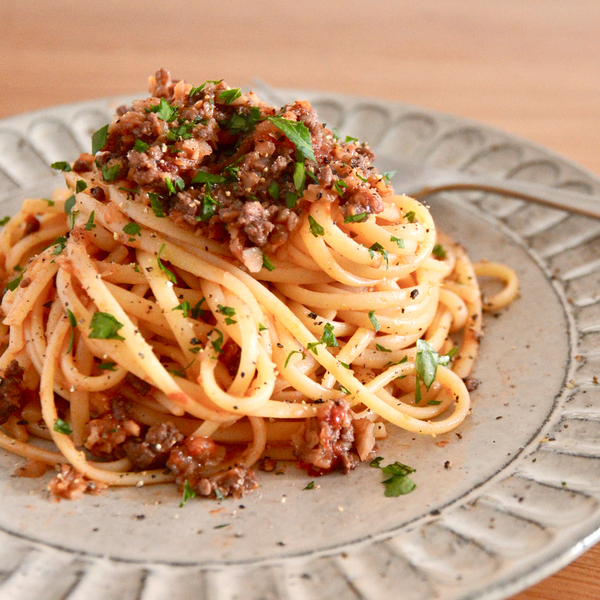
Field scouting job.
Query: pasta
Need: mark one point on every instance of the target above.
(222, 285)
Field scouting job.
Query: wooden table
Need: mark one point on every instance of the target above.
(531, 68)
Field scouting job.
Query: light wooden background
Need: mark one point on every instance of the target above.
(531, 67)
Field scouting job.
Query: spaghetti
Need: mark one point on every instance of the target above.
(223, 283)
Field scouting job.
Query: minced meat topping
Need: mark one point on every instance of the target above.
(229, 165)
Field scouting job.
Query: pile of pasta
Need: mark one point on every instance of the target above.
(102, 290)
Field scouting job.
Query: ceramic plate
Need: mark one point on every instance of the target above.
(505, 500)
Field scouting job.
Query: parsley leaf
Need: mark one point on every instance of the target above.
(110, 173)
(185, 307)
(241, 122)
(140, 146)
(90, 222)
(4, 221)
(61, 165)
(60, 243)
(410, 216)
(274, 190)
(388, 176)
(107, 366)
(327, 338)
(162, 267)
(99, 139)
(340, 186)
(211, 178)
(398, 241)
(69, 204)
(290, 199)
(373, 320)
(188, 492)
(309, 486)
(217, 344)
(14, 284)
(438, 251)
(299, 177)
(382, 348)
(197, 312)
(80, 186)
(156, 205)
(227, 311)
(377, 247)
(359, 218)
(315, 228)
(73, 324)
(267, 264)
(164, 110)
(61, 426)
(209, 207)
(228, 96)
(398, 482)
(287, 360)
(297, 133)
(132, 229)
(104, 326)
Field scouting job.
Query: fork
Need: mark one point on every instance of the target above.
(420, 180)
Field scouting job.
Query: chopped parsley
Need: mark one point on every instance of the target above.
(377, 247)
(261, 327)
(426, 365)
(398, 483)
(290, 199)
(359, 218)
(228, 312)
(287, 360)
(90, 222)
(99, 139)
(156, 205)
(69, 204)
(132, 229)
(80, 186)
(107, 366)
(110, 173)
(340, 186)
(183, 132)
(228, 96)
(162, 267)
(309, 486)
(382, 348)
(299, 176)
(4, 221)
(140, 146)
(217, 344)
(210, 178)
(388, 176)
(50, 202)
(327, 338)
(104, 326)
(198, 312)
(398, 241)
(373, 320)
(188, 493)
(349, 139)
(267, 264)
(274, 190)
(61, 426)
(164, 110)
(315, 228)
(60, 243)
(410, 216)
(439, 252)
(297, 133)
(61, 165)
(240, 122)
(209, 207)
(171, 185)
(14, 284)
(184, 307)
(73, 324)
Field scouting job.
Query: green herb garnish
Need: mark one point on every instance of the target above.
(373, 320)
(297, 133)
(104, 326)
(61, 426)
(188, 492)
(162, 267)
(398, 483)
(99, 139)
(61, 165)
(315, 228)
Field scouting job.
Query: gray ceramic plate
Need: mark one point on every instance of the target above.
(504, 501)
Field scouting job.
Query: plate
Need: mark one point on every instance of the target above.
(502, 502)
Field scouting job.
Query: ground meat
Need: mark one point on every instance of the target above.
(106, 434)
(69, 484)
(11, 390)
(84, 163)
(471, 383)
(31, 224)
(235, 482)
(325, 441)
(153, 451)
(219, 165)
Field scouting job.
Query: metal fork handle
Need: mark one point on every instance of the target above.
(584, 204)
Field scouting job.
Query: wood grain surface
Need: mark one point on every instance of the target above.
(530, 67)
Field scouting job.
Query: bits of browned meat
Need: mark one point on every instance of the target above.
(105, 434)
(11, 390)
(153, 451)
(70, 484)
